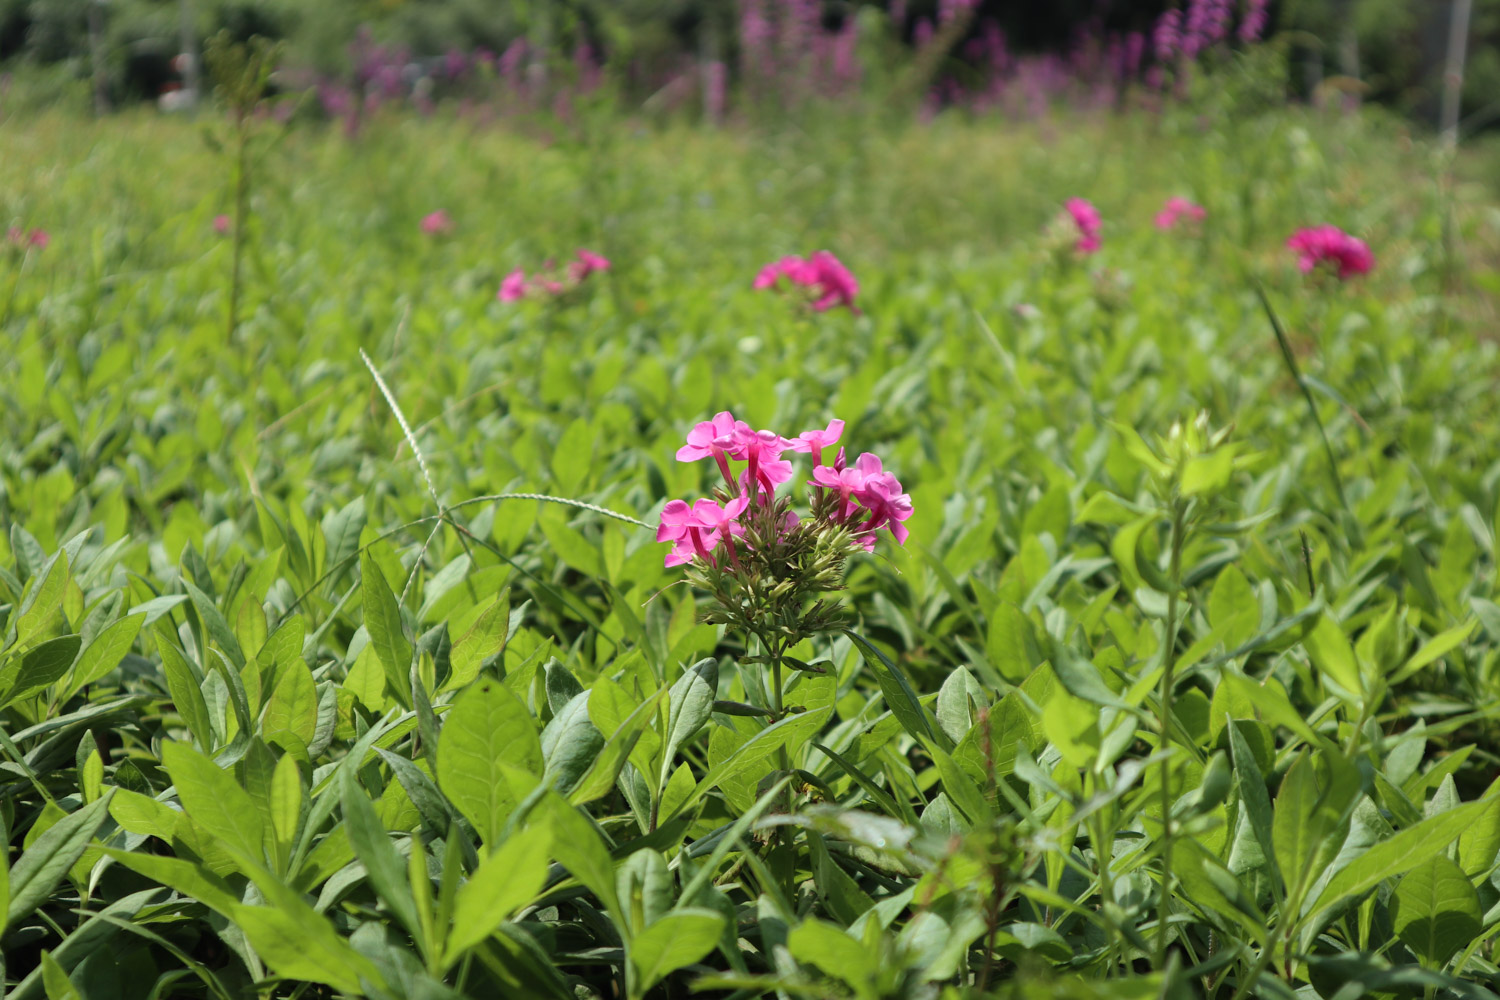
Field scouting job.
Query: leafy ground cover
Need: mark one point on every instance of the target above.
(1183, 684)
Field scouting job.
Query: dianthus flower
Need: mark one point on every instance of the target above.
(823, 274)
(1330, 245)
(1086, 218)
(1177, 209)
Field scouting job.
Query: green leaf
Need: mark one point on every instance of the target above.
(383, 622)
(487, 726)
(571, 744)
(1435, 649)
(573, 456)
(676, 940)
(187, 695)
(293, 706)
(44, 599)
(300, 945)
(215, 801)
(600, 777)
(1400, 853)
(50, 857)
(485, 638)
(1332, 655)
(1436, 910)
(42, 666)
(815, 942)
(900, 697)
(506, 880)
(286, 800)
(384, 868)
(56, 982)
(690, 702)
(105, 652)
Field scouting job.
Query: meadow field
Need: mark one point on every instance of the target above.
(340, 657)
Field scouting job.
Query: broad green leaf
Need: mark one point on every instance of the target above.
(56, 982)
(105, 652)
(184, 686)
(384, 868)
(485, 638)
(1436, 910)
(286, 800)
(383, 622)
(42, 666)
(487, 726)
(1401, 853)
(43, 601)
(815, 942)
(676, 940)
(299, 944)
(293, 705)
(571, 744)
(690, 702)
(600, 777)
(1331, 653)
(506, 880)
(38, 870)
(215, 801)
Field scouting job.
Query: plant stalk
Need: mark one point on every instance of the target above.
(1169, 661)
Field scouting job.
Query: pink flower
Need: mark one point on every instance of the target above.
(823, 273)
(221, 224)
(762, 450)
(587, 263)
(1330, 245)
(888, 506)
(38, 238)
(713, 439)
(875, 490)
(1086, 218)
(513, 287)
(697, 530)
(437, 223)
(815, 441)
(1177, 209)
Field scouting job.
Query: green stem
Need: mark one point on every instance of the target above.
(1169, 661)
(241, 209)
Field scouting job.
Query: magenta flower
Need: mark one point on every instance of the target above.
(813, 442)
(1086, 218)
(713, 439)
(697, 530)
(832, 283)
(221, 224)
(437, 223)
(1330, 245)
(37, 239)
(866, 485)
(513, 287)
(1177, 209)
(587, 263)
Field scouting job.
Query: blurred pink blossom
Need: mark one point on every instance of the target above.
(1328, 244)
(1086, 218)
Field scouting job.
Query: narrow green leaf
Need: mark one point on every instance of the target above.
(383, 622)
(506, 880)
(50, 857)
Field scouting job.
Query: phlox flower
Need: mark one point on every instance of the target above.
(513, 287)
(822, 273)
(437, 223)
(587, 263)
(815, 441)
(1330, 245)
(37, 239)
(695, 531)
(1086, 218)
(1177, 209)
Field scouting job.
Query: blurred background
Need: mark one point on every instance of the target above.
(715, 59)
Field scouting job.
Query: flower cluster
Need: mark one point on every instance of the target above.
(516, 286)
(1086, 218)
(767, 568)
(1177, 209)
(19, 239)
(1332, 246)
(858, 499)
(829, 281)
(438, 223)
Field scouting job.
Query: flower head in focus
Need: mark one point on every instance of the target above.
(1329, 245)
